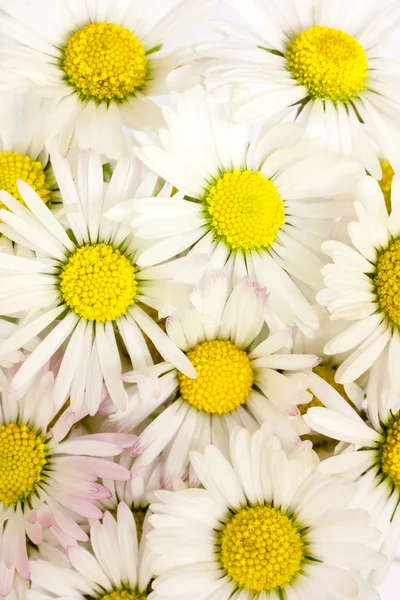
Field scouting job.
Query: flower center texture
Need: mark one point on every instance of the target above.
(387, 281)
(386, 183)
(244, 209)
(15, 166)
(106, 62)
(390, 459)
(261, 548)
(329, 62)
(124, 593)
(224, 377)
(98, 283)
(23, 459)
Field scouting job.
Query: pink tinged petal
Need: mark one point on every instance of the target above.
(86, 447)
(45, 516)
(108, 469)
(6, 579)
(34, 532)
(80, 506)
(64, 523)
(123, 440)
(63, 426)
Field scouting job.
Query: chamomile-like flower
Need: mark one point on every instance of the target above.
(266, 526)
(239, 379)
(370, 455)
(255, 207)
(100, 62)
(47, 481)
(113, 568)
(363, 286)
(23, 155)
(323, 63)
(84, 281)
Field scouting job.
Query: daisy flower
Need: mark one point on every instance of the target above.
(239, 380)
(47, 481)
(23, 155)
(363, 284)
(325, 64)
(114, 568)
(266, 526)
(370, 454)
(100, 62)
(255, 207)
(84, 281)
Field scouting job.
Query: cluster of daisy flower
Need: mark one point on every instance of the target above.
(199, 299)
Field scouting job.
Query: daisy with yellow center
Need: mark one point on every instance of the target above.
(86, 282)
(322, 65)
(91, 575)
(246, 203)
(239, 381)
(250, 537)
(363, 285)
(44, 478)
(371, 456)
(100, 64)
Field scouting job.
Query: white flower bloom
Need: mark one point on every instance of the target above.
(363, 286)
(114, 568)
(239, 380)
(47, 481)
(100, 61)
(255, 207)
(84, 280)
(9, 359)
(266, 526)
(370, 455)
(323, 63)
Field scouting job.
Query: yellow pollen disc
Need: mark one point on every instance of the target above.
(329, 62)
(23, 457)
(98, 283)
(14, 166)
(387, 281)
(245, 209)
(390, 458)
(386, 183)
(124, 593)
(224, 377)
(261, 549)
(104, 61)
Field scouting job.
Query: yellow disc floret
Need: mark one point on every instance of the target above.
(390, 459)
(124, 593)
(14, 167)
(104, 61)
(386, 183)
(245, 209)
(261, 549)
(23, 458)
(387, 281)
(224, 377)
(329, 62)
(98, 283)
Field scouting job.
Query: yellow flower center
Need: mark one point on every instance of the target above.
(329, 62)
(224, 377)
(124, 593)
(139, 514)
(261, 548)
(98, 283)
(387, 281)
(104, 61)
(390, 458)
(386, 183)
(15, 166)
(23, 458)
(244, 209)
